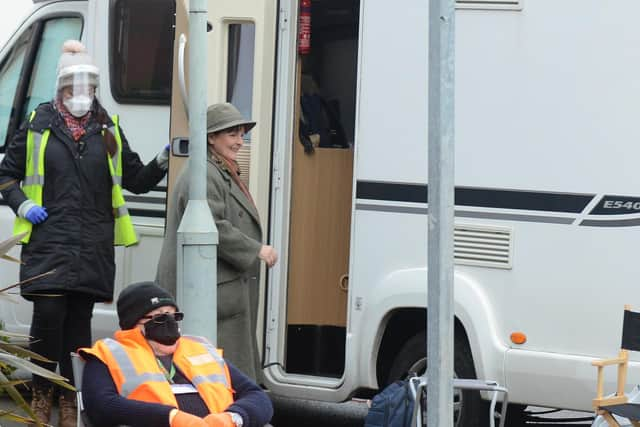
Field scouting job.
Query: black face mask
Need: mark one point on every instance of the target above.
(166, 333)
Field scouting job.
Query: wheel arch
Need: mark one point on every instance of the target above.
(401, 325)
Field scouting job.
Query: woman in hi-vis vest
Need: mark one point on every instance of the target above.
(149, 375)
(63, 175)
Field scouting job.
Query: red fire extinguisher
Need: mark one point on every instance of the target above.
(304, 28)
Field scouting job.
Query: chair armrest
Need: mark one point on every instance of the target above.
(607, 362)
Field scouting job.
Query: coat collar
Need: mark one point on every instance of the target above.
(47, 117)
(234, 190)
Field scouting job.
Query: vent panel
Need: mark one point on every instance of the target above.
(490, 4)
(483, 246)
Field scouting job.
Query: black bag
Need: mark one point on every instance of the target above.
(392, 407)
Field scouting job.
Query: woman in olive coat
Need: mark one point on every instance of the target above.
(240, 247)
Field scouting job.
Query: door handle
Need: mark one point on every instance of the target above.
(182, 44)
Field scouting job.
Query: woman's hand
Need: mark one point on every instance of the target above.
(268, 255)
(36, 214)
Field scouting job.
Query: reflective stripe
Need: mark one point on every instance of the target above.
(216, 356)
(117, 180)
(37, 141)
(116, 156)
(37, 178)
(210, 348)
(132, 380)
(216, 378)
(120, 212)
(33, 180)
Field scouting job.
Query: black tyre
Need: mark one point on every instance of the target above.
(468, 407)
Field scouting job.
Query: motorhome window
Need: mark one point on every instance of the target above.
(10, 71)
(43, 78)
(141, 51)
(328, 80)
(240, 67)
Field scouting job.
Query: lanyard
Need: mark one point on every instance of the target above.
(168, 375)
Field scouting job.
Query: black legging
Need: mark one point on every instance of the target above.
(60, 324)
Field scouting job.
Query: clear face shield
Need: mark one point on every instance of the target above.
(76, 88)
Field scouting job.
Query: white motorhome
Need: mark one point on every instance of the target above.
(546, 203)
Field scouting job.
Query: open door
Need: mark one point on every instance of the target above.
(312, 199)
(304, 199)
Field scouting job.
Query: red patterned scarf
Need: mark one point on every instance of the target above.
(75, 125)
(234, 170)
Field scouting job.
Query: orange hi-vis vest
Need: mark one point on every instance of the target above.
(137, 374)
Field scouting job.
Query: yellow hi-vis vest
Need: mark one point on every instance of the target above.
(33, 182)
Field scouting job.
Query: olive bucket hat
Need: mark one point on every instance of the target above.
(224, 116)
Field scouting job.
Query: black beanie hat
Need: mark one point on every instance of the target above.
(138, 299)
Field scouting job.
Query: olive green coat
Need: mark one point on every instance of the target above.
(240, 240)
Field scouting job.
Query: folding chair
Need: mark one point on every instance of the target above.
(618, 404)
(77, 365)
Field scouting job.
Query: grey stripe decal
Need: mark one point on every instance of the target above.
(117, 180)
(466, 214)
(145, 199)
(396, 209)
(516, 217)
(132, 379)
(616, 223)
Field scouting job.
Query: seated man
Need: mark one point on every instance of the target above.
(150, 375)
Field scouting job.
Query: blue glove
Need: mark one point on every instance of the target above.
(36, 215)
(167, 147)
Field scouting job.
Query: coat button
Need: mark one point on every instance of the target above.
(240, 213)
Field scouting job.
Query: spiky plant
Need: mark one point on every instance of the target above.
(15, 355)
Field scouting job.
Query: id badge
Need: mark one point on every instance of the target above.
(183, 389)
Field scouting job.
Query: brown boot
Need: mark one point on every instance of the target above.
(41, 402)
(68, 409)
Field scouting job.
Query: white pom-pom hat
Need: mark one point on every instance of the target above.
(75, 61)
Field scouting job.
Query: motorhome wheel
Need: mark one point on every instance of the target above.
(468, 407)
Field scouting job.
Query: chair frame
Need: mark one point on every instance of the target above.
(622, 361)
(77, 366)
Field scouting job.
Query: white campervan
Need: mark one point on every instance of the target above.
(547, 204)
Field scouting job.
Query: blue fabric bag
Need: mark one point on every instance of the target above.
(392, 407)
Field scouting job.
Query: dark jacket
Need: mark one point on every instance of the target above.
(77, 238)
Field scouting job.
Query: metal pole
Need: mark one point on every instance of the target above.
(197, 234)
(441, 214)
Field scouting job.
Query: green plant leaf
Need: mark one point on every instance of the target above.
(22, 352)
(13, 383)
(8, 334)
(17, 362)
(10, 416)
(17, 398)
